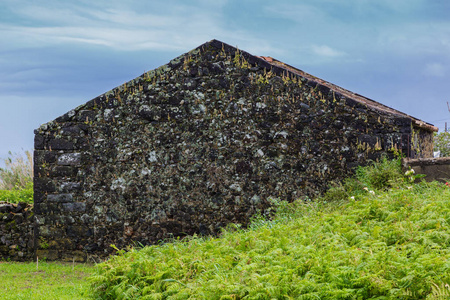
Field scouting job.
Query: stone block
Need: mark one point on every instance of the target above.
(18, 217)
(60, 144)
(43, 184)
(61, 244)
(74, 207)
(6, 207)
(50, 231)
(74, 130)
(60, 198)
(70, 186)
(78, 231)
(63, 171)
(39, 171)
(69, 159)
(39, 142)
(40, 220)
(82, 144)
(86, 116)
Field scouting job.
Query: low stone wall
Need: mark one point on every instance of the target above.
(433, 168)
(16, 231)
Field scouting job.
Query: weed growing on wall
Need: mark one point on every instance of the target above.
(387, 243)
(16, 178)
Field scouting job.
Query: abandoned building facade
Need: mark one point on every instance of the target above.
(205, 140)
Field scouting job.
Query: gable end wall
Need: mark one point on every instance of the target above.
(194, 145)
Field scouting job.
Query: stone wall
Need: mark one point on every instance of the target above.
(16, 231)
(434, 168)
(195, 144)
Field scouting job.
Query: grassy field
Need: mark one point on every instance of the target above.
(49, 281)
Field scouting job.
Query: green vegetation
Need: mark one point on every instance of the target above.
(378, 236)
(18, 195)
(375, 236)
(382, 175)
(442, 143)
(16, 179)
(48, 281)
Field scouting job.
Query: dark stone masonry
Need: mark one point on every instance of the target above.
(16, 231)
(198, 143)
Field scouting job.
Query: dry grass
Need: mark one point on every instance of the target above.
(18, 171)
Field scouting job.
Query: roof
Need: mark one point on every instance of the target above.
(314, 81)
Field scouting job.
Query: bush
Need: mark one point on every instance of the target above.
(442, 143)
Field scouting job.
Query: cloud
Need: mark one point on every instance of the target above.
(299, 13)
(363, 28)
(434, 70)
(326, 51)
(174, 27)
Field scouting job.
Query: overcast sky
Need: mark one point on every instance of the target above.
(57, 55)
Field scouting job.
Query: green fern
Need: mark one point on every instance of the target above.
(391, 245)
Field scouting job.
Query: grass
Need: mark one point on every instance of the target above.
(18, 171)
(50, 281)
(16, 179)
(387, 243)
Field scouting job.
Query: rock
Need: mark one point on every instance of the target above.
(6, 208)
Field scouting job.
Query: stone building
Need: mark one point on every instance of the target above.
(200, 142)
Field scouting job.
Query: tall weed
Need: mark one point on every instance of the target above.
(18, 171)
